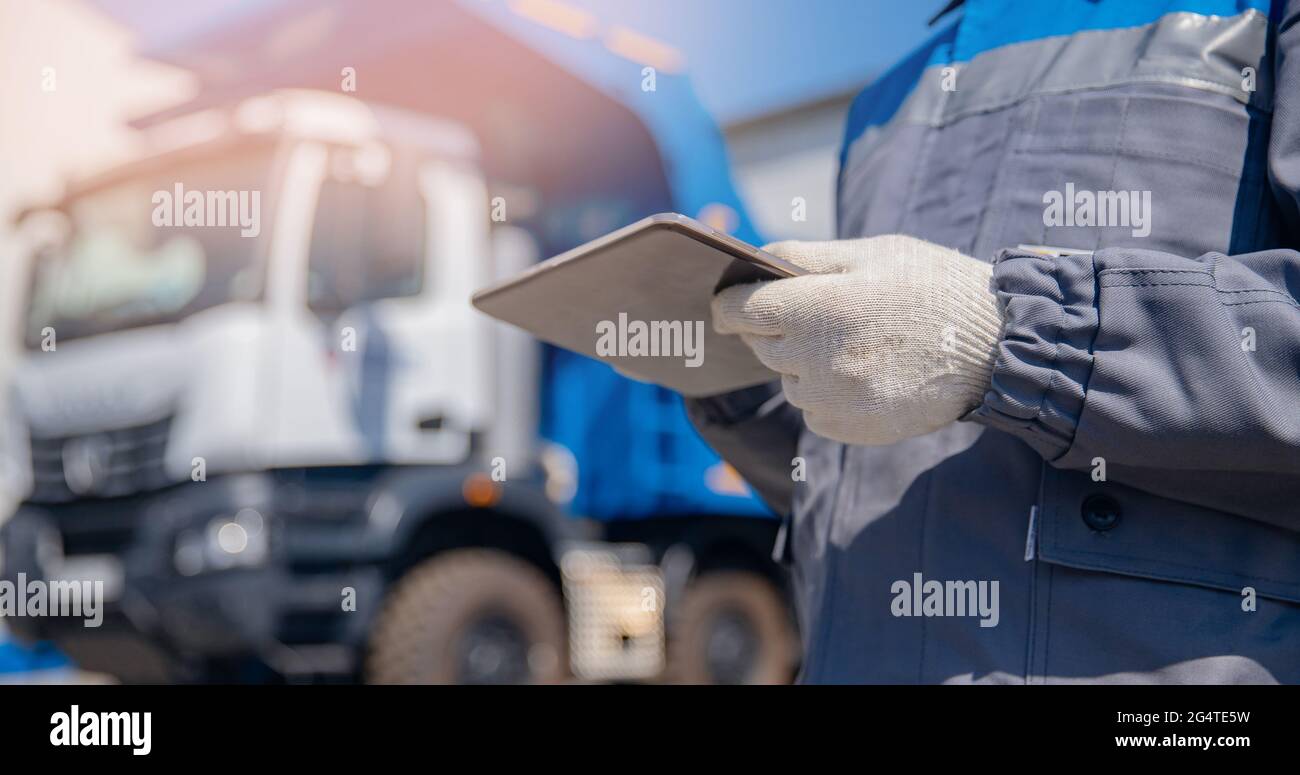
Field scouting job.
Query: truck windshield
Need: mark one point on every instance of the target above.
(154, 249)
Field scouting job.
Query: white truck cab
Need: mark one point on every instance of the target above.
(254, 353)
(365, 231)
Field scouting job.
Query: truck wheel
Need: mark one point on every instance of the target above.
(474, 616)
(731, 627)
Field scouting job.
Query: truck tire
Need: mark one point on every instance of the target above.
(469, 616)
(732, 627)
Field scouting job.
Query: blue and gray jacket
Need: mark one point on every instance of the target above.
(1125, 503)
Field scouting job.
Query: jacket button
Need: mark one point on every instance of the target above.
(1100, 512)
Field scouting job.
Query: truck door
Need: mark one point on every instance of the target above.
(414, 319)
(392, 367)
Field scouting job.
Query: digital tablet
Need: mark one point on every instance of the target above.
(638, 299)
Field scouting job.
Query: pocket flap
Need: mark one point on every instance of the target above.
(1106, 526)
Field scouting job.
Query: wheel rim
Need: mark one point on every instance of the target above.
(492, 649)
(731, 647)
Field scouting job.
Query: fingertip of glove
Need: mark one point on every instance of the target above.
(726, 304)
(817, 257)
(736, 311)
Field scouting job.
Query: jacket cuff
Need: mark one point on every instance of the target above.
(727, 409)
(1044, 356)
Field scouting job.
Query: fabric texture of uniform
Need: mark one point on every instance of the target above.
(1131, 479)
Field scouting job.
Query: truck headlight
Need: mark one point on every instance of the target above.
(225, 542)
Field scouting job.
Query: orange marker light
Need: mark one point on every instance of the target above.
(480, 491)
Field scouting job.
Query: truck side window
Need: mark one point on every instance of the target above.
(368, 241)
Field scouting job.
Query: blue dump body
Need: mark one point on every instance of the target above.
(637, 453)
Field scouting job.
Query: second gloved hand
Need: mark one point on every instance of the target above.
(891, 338)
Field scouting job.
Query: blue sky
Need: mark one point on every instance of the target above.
(745, 57)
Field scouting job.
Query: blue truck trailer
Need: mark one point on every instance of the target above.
(318, 462)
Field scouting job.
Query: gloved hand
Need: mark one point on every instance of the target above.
(893, 337)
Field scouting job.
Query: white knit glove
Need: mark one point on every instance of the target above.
(891, 338)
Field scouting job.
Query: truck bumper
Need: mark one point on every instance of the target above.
(177, 601)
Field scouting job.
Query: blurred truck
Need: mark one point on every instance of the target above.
(255, 402)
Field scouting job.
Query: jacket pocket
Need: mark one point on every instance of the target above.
(1107, 526)
(1161, 188)
(1145, 588)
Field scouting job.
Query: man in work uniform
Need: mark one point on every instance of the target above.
(1056, 347)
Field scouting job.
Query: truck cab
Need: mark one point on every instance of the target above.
(360, 244)
(268, 312)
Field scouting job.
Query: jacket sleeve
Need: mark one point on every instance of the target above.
(757, 432)
(1156, 365)
(1181, 373)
